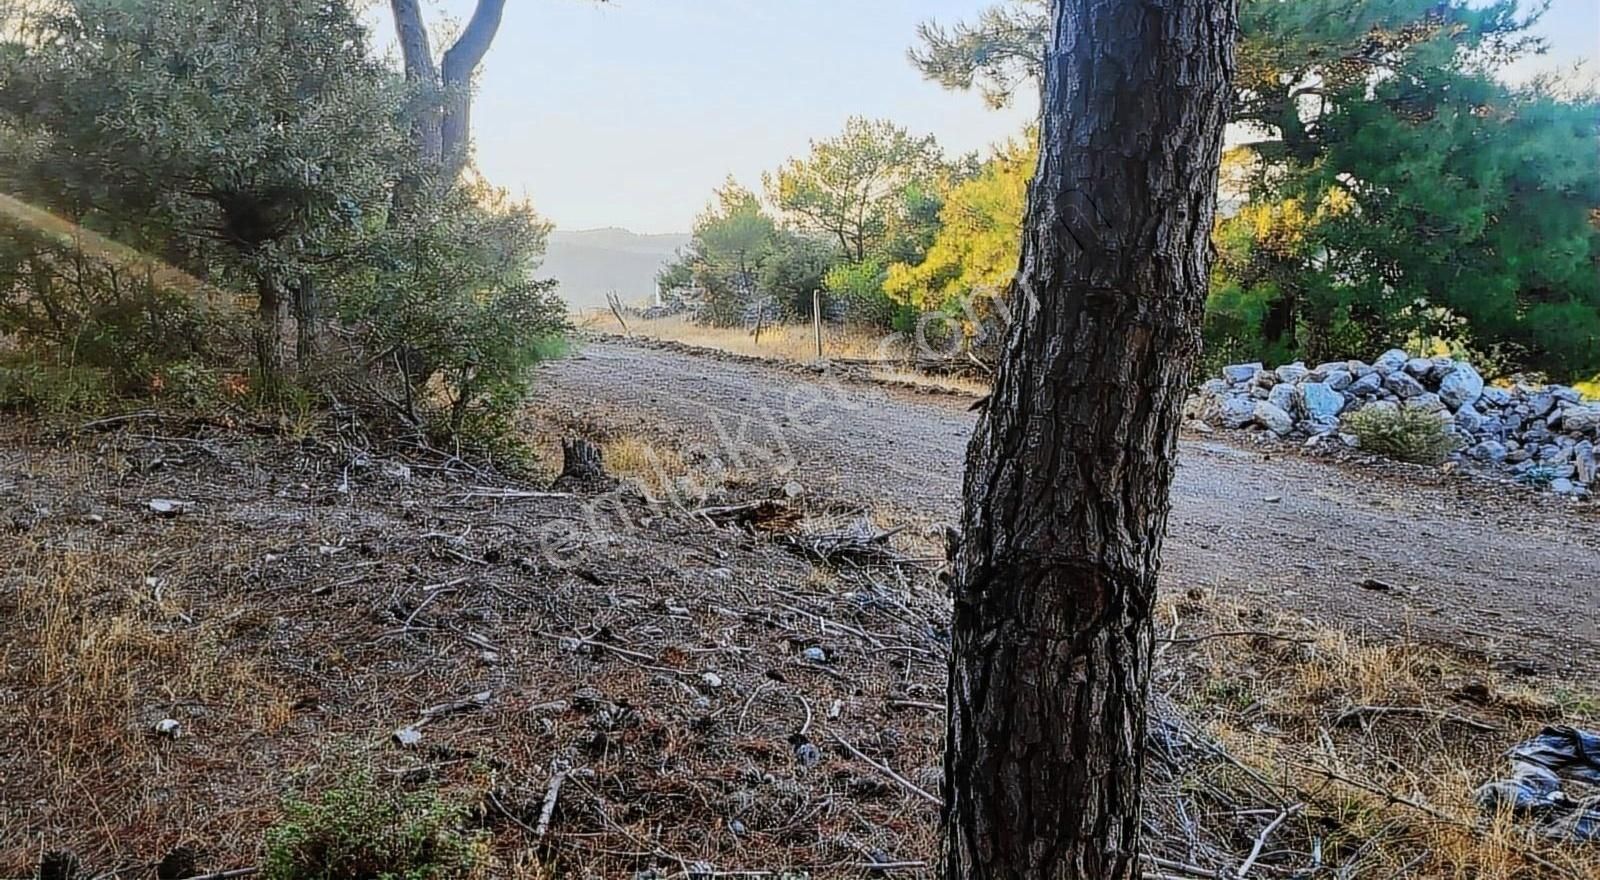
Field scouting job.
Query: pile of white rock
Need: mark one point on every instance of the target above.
(1541, 434)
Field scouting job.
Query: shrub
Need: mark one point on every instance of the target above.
(48, 389)
(1402, 434)
(358, 832)
(454, 304)
(74, 305)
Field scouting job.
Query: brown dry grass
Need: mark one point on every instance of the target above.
(1396, 787)
(784, 342)
(291, 628)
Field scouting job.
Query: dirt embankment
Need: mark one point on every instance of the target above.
(1508, 573)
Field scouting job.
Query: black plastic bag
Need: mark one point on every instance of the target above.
(1555, 782)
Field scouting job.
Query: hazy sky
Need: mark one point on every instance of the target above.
(628, 113)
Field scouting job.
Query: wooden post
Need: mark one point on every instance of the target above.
(816, 319)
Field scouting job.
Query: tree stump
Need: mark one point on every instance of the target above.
(177, 865)
(581, 460)
(61, 865)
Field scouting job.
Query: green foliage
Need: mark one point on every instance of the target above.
(453, 298)
(975, 253)
(255, 141)
(1396, 190)
(798, 265)
(1401, 433)
(66, 307)
(859, 288)
(264, 148)
(357, 831)
(996, 53)
(41, 388)
(731, 239)
(867, 188)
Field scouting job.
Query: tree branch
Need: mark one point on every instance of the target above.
(460, 62)
(413, 36)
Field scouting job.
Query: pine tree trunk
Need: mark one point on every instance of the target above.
(1069, 471)
(308, 324)
(269, 332)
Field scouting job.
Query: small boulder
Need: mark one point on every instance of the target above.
(1338, 380)
(1390, 361)
(1285, 397)
(1489, 450)
(1419, 368)
(1461, 386)
(1427, 401)
(1581, 419)
(1403, 385)
(1236, 412)
(1237, 373)
(1540, 404)
(1292, 372)
(1583, 457)
(1274, 419)
(1469, 419)
(1322, 403)
(1366, 386)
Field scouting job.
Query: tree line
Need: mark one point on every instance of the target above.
(265, 148)
(1383, 186)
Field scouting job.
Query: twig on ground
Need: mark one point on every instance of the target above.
(1238, 633)
(1360, 711)
(1261, 839)
(549, 809)
(884, 769)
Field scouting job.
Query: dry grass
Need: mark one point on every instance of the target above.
(951, 384)
(99, 649)
(783, 342)
(291, 628)
(1394, 787)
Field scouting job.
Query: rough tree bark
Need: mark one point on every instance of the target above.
(443, 127)
(1068, 473)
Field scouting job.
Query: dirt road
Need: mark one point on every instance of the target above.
(1515, 575)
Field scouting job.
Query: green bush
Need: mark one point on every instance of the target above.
(453, 308)
(36, 387)
(1403, 434)
(73, 307)
(358, 832)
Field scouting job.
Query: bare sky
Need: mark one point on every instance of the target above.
(628, 113)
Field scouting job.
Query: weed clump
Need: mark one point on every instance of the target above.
(1402, 434)
(357, 831)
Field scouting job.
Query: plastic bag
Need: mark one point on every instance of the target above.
(1555, 782)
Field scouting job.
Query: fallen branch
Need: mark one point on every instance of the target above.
(1238, 633)
(1261, 839)
(549, 809)
(507, 494)
(881, 768)
(1359, 711)
(767, 513)
(471, 703)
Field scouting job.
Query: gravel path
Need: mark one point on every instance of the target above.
(1515, 575)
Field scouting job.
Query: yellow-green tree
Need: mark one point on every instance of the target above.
(974, 254)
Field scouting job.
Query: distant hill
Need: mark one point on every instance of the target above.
(590, 262)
